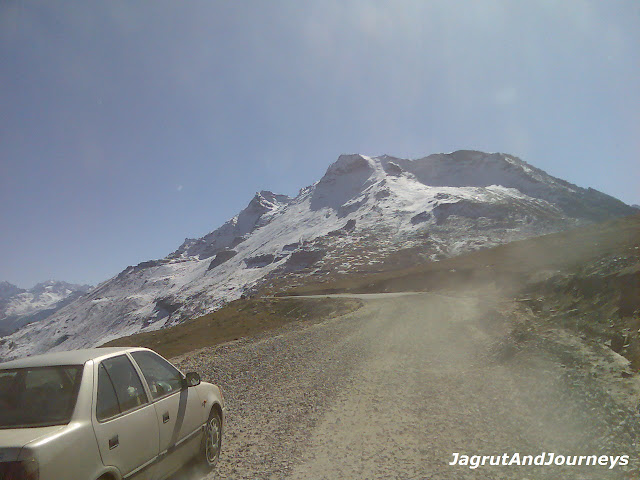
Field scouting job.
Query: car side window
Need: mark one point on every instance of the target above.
(107, 404)
(162, 377)
(119, 387)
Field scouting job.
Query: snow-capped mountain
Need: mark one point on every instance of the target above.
(364, 214)
(8, 290)
(19, 306)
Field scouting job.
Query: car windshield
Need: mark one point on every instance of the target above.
(38, 396)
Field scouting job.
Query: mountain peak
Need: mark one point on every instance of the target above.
(58, 287)
(9, 289)
(344, 180)
(268, 200)
(348, 164)
(261, 204)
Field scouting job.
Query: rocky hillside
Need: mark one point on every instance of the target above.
(585, 280)
(599, 299)
(364, 215)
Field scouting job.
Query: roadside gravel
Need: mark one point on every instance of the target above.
(277, 386)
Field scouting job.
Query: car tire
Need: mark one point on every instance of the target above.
(211, 442)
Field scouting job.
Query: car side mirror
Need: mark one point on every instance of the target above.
(192, 379)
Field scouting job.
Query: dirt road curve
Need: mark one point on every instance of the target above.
(393, 390)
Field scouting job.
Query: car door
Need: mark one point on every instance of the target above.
(179, 410)
(124, 420)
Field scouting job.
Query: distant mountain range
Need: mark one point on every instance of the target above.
(19, 306)
(364, 214)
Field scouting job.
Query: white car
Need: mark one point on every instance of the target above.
(105, 414)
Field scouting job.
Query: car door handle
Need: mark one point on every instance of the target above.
(165, 417)
(113, 442)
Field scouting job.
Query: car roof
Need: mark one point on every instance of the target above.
(72, 357)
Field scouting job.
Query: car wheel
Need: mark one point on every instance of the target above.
(212, 441)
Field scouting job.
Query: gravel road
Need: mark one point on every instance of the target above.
(394, 389)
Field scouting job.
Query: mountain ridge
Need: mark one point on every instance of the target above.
(365, 213)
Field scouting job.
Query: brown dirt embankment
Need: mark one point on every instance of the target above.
(242, 318)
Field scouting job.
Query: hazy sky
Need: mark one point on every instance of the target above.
(127, 126)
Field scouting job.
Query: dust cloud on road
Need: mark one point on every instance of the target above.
(394, 390)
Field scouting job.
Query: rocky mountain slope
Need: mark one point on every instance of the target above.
(364, 215)
(19, 306)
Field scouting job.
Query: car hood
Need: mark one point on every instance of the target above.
(15, 438)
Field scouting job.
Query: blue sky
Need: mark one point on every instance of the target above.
(127, 126)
